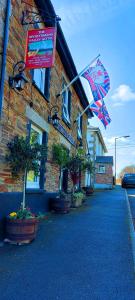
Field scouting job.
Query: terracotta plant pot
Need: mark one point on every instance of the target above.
(21, 230)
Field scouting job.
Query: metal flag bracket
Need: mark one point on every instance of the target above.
(32, 17)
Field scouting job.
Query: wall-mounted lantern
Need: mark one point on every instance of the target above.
(53, 117)
(18, 80)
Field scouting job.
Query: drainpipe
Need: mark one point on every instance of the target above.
(4, 54)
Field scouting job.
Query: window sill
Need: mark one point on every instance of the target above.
(41, 93)
(101, 173)
(66, 122)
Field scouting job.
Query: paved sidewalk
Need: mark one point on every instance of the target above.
(84, 255)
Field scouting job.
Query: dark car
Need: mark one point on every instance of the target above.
(128, 180)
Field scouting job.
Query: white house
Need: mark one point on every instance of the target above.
(95, 147)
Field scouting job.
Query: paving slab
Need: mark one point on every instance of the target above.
(83, 255)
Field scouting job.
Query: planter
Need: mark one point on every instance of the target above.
(21, 230)
(76, 203)
(77, 199)
(61, 203)
(89, 191)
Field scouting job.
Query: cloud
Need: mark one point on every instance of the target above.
(122, 95)
(111, 141)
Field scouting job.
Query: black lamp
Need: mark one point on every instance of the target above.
(18, 80)
(53, 118)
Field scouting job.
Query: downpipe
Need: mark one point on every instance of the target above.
(4, 54)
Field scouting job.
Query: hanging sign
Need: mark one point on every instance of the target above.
(40, 48)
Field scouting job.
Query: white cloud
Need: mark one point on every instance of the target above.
(122, 95)
(111, 141)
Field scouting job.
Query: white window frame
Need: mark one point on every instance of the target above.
(65, 104)
(101, 169)
(39, 79)
(79, 131)
(35, 184)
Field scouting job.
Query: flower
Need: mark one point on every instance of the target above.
(22, 214)
(13, 214)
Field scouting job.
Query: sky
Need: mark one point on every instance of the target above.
(106, 27)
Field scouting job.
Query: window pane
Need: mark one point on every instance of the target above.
(65, 107)
(35, 137)
(39, 79)
(79, 131)
(101, 169)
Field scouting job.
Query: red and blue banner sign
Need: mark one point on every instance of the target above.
(98, 79)
(40, 48)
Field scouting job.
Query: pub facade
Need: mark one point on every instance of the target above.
(30, 111)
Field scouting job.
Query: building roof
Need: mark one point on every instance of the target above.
(65, 55)
(98, 131)
(104, 159)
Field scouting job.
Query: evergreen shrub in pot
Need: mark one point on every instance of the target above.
(75, 165)
(62, 202)
(89, 167)
(21, 225)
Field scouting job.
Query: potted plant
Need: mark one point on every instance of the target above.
(61, 203)
(74, 165)
(21, 225)
(77, 199)
(89, 167)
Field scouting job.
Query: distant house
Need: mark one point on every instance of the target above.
(103, 172)
(95, 147)
(103, 175)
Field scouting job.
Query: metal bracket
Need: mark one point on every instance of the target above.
(31, 17)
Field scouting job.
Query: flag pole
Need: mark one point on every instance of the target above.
(74, 79)
(88, 106)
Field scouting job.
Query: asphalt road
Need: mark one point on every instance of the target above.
(84, 255)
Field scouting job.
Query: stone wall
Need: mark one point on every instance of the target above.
(14, 116)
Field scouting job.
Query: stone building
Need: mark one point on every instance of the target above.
(26, 112)
(102, 177)
(95, 147)
(104, 172)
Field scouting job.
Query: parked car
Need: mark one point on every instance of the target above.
(128, 180)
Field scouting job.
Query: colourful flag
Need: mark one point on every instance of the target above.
(98, 79)
(101, 112)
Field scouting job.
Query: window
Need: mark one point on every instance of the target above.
(36, 136)
(41, 79)
(79, 127)
(101, 169)
(66, 105)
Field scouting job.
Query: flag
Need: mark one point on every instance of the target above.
(101, 112)
(98, 79)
